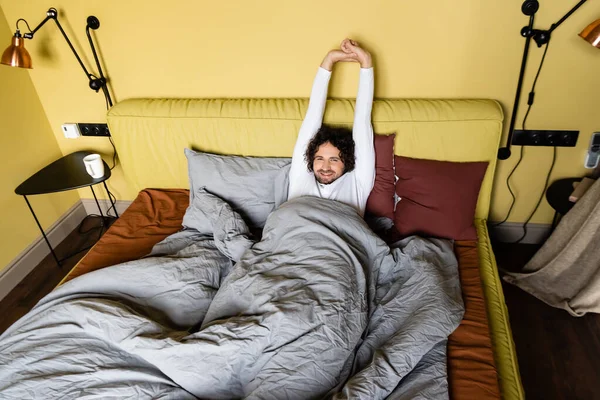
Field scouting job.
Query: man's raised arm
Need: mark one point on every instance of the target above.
(362, 130)
(313, 118)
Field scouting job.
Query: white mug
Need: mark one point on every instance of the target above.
(94, 165)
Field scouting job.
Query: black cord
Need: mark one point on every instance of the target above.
(114, 163)
(114, 157)
(514, 198)
(541, 197)
(81, 232)
(26, 23)
(106, 98)
(112, 204)
(530, 101)
(102, 225)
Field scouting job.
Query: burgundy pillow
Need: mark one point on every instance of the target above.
(381, 200)
(437, 198)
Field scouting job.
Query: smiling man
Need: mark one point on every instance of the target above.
(334, 162)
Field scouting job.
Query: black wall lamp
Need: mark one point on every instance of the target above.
(541, 37)
(17, 56)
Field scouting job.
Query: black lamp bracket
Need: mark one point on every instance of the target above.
(96, 83)
(540, 37)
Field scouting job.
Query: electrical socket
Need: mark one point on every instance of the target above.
(545, 138)
(93, 129)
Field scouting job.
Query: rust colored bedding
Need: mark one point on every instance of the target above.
(156, 214)
(153, 215)
(471, 367)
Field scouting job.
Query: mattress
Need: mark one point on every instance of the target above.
(156, 214)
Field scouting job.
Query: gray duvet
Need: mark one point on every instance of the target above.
(319, 308)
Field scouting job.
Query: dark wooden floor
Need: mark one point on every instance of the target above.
(48, 274)
(559, 355)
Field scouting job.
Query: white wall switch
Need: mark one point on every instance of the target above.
(71, 131)
(593, 155)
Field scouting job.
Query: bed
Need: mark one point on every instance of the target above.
(152, 133)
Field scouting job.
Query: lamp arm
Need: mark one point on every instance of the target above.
(504, 152)
(52, 14)
(567, 15)
(542, 37)
(94, 23)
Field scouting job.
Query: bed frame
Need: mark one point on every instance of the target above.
(152, 133)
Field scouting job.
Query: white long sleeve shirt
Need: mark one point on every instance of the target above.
(353, 187)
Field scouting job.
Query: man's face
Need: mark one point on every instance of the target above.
(327, 165)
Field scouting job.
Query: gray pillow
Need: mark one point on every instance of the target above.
(253, 186)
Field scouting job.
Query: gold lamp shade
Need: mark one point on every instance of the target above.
(16, 55)
(592, 33)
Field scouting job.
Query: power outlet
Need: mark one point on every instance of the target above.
(94, 129)
(545, 138)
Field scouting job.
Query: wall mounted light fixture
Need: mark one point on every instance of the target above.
(592, 33)
(541, 37)
(17, 56)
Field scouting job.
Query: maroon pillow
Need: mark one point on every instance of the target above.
(437, 198)
(381, 200)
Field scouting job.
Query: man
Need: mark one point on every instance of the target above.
(333, 162)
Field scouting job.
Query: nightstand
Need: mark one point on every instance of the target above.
(66, 173)
(558, 194)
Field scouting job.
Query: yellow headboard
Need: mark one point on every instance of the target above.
(150, 134)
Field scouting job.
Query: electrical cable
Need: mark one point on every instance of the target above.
(114, 164)
(541, 197)
(26, 23)
(113, 202)
(530, 101)
(101, 226)
(114, 157)
(514, 198)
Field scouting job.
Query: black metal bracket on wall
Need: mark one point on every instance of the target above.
(550, 138)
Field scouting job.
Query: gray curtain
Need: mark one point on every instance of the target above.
(565, 272)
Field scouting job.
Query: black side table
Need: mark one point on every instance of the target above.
(558, 197)
(66, 173)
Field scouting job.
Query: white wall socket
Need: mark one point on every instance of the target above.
(71, 131)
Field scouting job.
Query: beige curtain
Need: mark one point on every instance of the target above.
(565, 272)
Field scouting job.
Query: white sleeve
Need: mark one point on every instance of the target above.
(311, 124)
(362, 133)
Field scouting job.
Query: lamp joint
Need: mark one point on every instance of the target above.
(541, 37)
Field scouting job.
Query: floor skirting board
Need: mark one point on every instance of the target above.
(511, 231)
(92, 208)
(29, 258)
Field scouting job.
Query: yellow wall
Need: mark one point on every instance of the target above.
(26, 145)
(271, 48)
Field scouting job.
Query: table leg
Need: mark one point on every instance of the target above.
(555, 221)
(114, 207)
(97, 203)
(43, 234)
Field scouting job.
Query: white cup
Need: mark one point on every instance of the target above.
(94, 165)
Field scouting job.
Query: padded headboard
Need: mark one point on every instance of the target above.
(151, 134)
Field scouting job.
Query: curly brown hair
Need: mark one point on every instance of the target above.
(338, 136)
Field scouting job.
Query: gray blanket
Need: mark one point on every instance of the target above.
(319, 308)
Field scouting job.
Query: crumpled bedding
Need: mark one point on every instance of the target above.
(320, 307)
